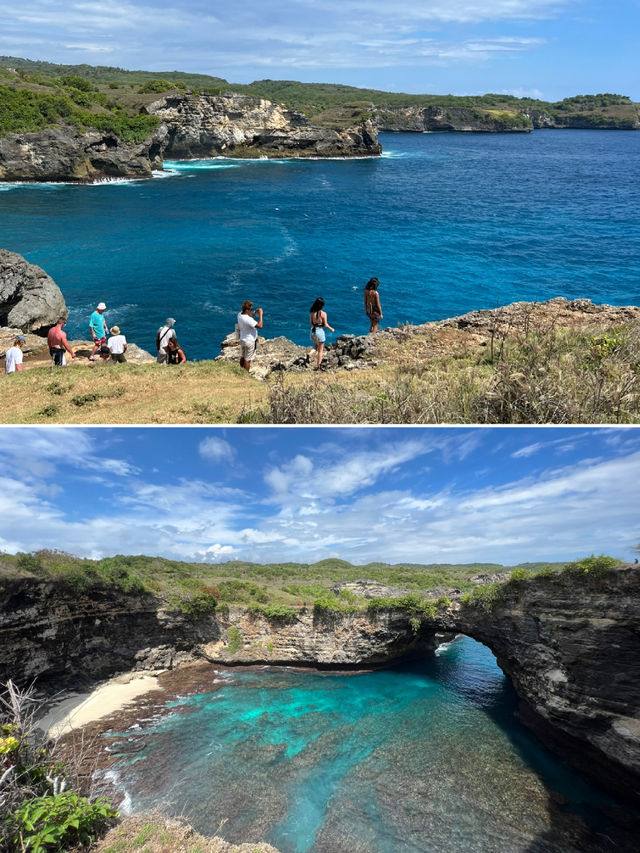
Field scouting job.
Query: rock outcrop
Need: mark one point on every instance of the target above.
(477, 328)
(421, 119)
(237, 125)
(30, 300)
(571, 647)
(65, 154)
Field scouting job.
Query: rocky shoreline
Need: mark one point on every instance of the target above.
(191, 126)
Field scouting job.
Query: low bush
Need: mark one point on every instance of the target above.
(40, 809)
(593, 567)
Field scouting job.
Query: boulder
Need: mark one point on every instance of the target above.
(30, 300)
(32, 343)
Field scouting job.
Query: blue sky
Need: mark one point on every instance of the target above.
(266, 494)
(544, 48)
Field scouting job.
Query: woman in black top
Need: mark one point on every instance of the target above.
(175, 355)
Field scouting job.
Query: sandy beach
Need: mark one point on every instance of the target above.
(75, 711)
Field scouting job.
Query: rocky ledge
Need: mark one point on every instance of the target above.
(420, 119)
(236, 126)
(30, 300)
(476, 329)
(66, 154)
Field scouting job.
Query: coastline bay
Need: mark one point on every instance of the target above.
(425, 756)
(449, 223)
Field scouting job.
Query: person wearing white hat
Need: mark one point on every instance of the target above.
(98, 328)
(13, 358)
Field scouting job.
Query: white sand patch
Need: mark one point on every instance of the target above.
(76, 711)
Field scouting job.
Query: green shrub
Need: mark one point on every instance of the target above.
(235, 639)
(519, 575)
(200, 605)
(56, 823)
(275, 612)
(157, 87)
(592, 566)
(486, 596)
(75, 82)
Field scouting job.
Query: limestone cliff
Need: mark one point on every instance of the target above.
(465, 119)
(571, 647)
(30, 300)
(237, 125)
(66, 154)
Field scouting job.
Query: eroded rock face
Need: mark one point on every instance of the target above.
(58, 635)
(30, 300)
(571, 647)
(236, 125)
(65, 154)
(463, 119)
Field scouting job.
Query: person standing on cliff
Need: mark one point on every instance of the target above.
(318, 321)
(13, 357)
(58, 344)
(248, 327)
(372, 305)
(99, 329)
(163, 336)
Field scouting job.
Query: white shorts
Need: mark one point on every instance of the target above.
(248, 349)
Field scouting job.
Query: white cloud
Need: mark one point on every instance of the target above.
(216, 450)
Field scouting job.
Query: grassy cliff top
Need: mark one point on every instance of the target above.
(526, 363)
(110, 91)
(244, 583)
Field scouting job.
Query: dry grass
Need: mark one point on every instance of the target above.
(547, 375)
(156, 833)
(537, 364)
(198, 392)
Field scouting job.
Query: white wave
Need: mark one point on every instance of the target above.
(394, 155)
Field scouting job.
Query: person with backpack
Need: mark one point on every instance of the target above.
(163, 336)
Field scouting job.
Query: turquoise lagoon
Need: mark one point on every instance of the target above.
(448, 222)
(425, 757)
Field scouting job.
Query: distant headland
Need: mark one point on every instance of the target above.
(84, 123)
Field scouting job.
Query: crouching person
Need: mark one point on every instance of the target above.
(117, 344)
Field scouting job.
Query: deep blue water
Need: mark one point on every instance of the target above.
(448, 223)
(427, 757)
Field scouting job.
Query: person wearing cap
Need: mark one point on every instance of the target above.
(99, 329)
(13, 357)
(117, 345)
(163, 336)
(58, 344)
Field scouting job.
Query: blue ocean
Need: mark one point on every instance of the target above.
(425, 757)
(448, 223)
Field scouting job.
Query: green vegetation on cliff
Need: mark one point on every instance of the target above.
(325, 103)
(274, 590)
(24, 110)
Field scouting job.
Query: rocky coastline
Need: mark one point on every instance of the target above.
(191, 126)
(569, 647)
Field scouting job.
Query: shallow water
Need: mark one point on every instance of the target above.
(427, 756)
(448, 222)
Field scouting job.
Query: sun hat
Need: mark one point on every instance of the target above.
(21, 338)
(115, 330)
(101, 307)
